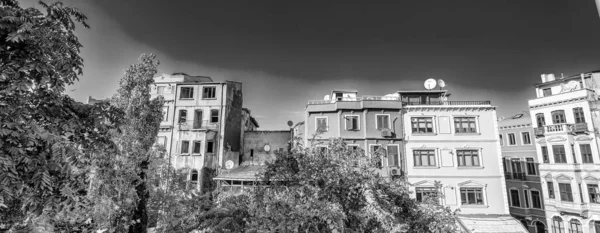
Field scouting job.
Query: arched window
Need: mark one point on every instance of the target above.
(557, 225)
(540, 227)
(575, 226)
(558, 117)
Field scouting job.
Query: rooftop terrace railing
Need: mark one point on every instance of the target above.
(393, 98)
(468, 102)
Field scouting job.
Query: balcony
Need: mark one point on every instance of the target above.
(197, 125)
(476, 102)
(539, 131)
(559, 128)
(515, 176)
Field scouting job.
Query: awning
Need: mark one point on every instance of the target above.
(247, 173)
(490, 223)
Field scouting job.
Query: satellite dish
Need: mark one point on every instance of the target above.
(430, 84)
(290, 123)
(229, 164)
(326, 97)
(267, 148)
(441, 83)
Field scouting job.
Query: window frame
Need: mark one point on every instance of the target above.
(191, 93)
(563, 156)
(204, 88)
(211, 148)
(158, 90)
(389, 121)
(352, 145)
(569, 195)
(546, 92)
(539, 199)
(480, 189)
(424, 190)
(212, 116)
(593, 195)
(526, 198)
(165, 114)
(420, 151)
(187, 147)
(586, 156)
(579, 115)
(501, 139)
(545, 155)
(551, 189)
(460, 122)
(387, 152)
(538, 117)
(577, 224)
(558, 228)
(512, 199)
(194, 144)
(528, 141)
(182, 118)
(530, 164)
(326, 123)
(514, 136)
(417, 123)
(558, 115)
(158, 138)
(356, 127)
(458, 158)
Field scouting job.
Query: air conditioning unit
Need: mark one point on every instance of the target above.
(386, 133)
(395, 171)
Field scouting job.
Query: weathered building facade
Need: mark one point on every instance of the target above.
(202, 121)
(566, 120)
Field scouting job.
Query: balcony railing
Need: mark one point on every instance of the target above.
(559, 128)
(197, 125)
(476, 102)
(515, 175)
(580, 127)
(355, 99)
(539, 131)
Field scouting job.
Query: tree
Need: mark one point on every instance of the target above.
(138, 131)
(43, 133)
(333, 191)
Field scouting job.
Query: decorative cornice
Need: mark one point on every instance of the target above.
(560, 102)
(448, 108)
(519, 126)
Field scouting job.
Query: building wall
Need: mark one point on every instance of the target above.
(445, 143)
(232, 118)
(255, 142)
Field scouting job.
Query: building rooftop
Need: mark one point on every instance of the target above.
(247, 172)
(183, 77)
(490, 223)
(563, 79)
(343, 91)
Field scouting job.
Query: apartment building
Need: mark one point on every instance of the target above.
(202, 122)
(523, 185)
(566, 119)
(367, 122)
(456, 144)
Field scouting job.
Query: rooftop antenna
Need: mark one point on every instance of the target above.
(430, 84)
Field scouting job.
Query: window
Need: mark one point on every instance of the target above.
(541, 121)
(321, 124)
(471, 196)
(465, 125)
(578, 113)
(531, 169)
(526, 198)
(383, 121)
(422, 124)
(351, 122)
(197, 119)
(565, 192)
(196, 147)
(165, 114)
(501, 140)
(185, 147)
(194, 177)
(186, 93)
(526, 138)
(514, 198)
(468, 158)
(182, 116)
(214, 115)
(210, 147)
(586, 153)
(423, 192)
(547, 92)
(550, 189)
(353, 147)
(160, 90)
(558, 117)
(424, 158)
(575, 226)
(557, 225)
(559, 154)
(209, 92)
(511, 139)
(536, 199)
(392, 154)
(594, 193)
(545, 154)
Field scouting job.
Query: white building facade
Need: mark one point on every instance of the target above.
(565, 117)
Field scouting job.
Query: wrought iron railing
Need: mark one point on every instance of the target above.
(197, 125)
(515, 175)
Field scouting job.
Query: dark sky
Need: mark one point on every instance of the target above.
(288, 53)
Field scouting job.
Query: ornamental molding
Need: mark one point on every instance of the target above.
(556, 139)
(427, 183)
(583, 139)
(590, 178)
(559, 102)
(446, 108)
(519, 126)
(563, 177)
(542, 141)
(471, 183)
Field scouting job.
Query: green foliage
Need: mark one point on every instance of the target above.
(336, 191)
